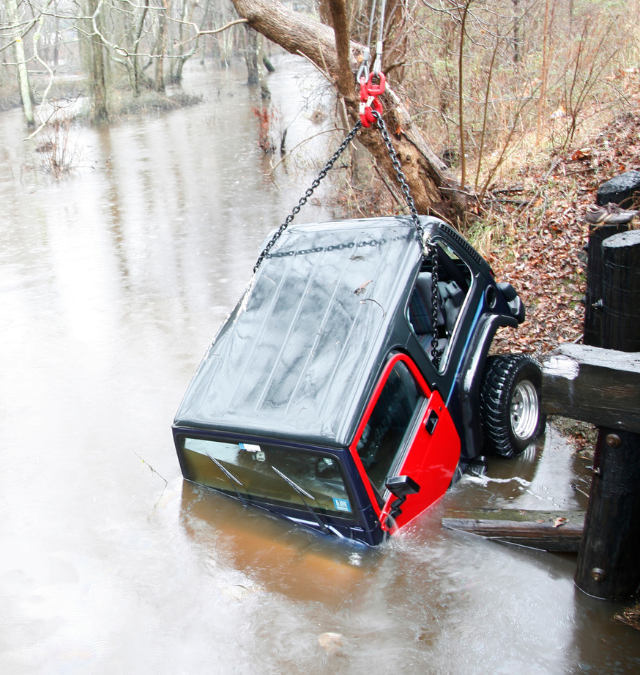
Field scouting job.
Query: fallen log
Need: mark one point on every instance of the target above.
(559, 531)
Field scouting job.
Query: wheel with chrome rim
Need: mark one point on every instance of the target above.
(510, 404)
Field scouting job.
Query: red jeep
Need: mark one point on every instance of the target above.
(336, 396)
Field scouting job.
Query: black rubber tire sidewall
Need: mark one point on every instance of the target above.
(501, 376)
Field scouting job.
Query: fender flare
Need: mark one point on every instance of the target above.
(469, 379)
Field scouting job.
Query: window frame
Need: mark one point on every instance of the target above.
(446, 357)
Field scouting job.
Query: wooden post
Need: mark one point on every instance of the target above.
(593, 298)
(609, 556)
(621, 292)
(622, 189)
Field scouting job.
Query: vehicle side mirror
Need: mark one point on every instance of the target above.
(400, 487)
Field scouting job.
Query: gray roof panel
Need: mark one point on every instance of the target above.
(295, 359)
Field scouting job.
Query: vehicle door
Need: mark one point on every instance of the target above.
(406, 430)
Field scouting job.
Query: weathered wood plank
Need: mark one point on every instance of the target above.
(596, 385)
(559, 531)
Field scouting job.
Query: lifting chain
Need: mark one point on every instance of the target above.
(429, 248)
(307, 194)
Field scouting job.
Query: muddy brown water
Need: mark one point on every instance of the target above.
(113, 280)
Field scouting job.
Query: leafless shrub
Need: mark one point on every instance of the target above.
(58, 155)
(266, 119)
(509, 79)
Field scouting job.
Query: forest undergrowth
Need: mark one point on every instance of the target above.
(534, 233)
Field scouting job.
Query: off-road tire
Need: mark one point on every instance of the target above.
(511, 424)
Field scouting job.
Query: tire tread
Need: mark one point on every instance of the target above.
(499, 376)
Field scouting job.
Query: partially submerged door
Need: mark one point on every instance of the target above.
(406, 430)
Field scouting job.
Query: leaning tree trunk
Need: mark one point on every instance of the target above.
(23, 76)
(433, 187)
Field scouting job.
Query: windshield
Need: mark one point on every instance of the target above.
(270, 475)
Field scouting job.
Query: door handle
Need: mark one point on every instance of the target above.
(432, 421)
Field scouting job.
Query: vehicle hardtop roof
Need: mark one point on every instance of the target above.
(297, 358)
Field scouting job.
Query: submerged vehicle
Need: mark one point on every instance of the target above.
(338, 395)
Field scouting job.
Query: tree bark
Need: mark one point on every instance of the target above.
(56, 42)
(265, 92)
(161, 46)
(186, 16)
(251, 56)
(516, 31)
(136, 59)
(433, 187)
(340, 22)
(97, 67)
(23, 76)
(397, 36)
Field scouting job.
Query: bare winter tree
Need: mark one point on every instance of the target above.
(23, 77)
(484, 80)
(96, 56)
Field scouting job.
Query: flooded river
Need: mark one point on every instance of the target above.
(113, 280)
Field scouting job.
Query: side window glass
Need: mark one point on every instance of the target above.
(454, 282)
(388, 425)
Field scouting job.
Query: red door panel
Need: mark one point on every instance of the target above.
(432, 457)
(431, 460)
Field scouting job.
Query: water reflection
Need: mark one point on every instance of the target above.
(278, 555)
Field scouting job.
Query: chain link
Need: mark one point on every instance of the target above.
(436, 354)
(308, 193)
(400, 175)
(429, 249)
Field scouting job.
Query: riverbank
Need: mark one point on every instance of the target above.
(534, 233)
(64, 88)
(124, 105)
(121, 103)
(531, 228)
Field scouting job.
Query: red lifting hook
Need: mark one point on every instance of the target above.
(369, 93)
